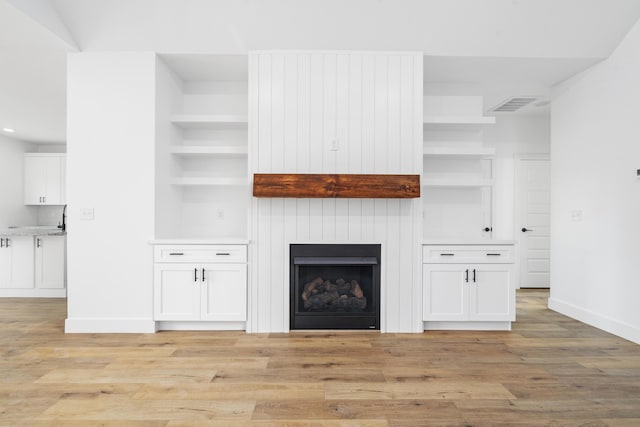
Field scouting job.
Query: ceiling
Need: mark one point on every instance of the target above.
(495, 48)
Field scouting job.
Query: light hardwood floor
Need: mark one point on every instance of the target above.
(550, 370)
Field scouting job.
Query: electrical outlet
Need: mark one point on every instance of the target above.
(335, 145)
(220, 214)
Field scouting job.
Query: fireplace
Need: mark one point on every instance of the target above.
(335, 286)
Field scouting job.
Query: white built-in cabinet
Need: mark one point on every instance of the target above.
(457, 169)
(200, 283)
(32, 266)
(468, 286)
(44, 179)
(201, 147)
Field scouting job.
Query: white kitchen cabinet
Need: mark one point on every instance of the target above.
(200, 283)
(16, 262)
(50, 262)
(44, 179)
(468, 287)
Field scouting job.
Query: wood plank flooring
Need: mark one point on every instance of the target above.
(550, 370)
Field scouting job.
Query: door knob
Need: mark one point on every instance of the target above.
(524, 230)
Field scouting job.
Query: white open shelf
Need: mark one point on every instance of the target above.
(457, 182)
(211, 121)
(209, 150)
(458, 151)
(209, 181)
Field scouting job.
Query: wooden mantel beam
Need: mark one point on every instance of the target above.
(371, 186)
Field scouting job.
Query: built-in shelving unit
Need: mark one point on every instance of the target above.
(457, 176)
(202, 155)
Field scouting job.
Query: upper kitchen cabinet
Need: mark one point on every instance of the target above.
(201, 146)
(44, 179)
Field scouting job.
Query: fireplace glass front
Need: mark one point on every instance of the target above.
(335, 286)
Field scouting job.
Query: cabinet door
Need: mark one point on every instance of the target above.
(50, 262)
(16, 263)
(177, 292)
(492, 294)
(445, 292)
(5, 265)
(224, 297)
(34, 180)
(53, 181)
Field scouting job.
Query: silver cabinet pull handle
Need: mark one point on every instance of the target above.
(223, 253)
(176, 253)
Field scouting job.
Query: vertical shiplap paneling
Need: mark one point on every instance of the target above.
(263, 237)
(395, 288)
(342, 136)
(417, 204)
(363, 100)
(252, 165)
(291, 146)
(276, 302)
(407, 155)
(368, 140)
(316, 137)
(329, 112)
(304, 140)
(354, 132)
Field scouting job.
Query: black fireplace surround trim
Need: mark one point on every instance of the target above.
(366, 255)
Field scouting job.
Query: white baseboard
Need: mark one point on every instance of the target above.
(201, 326)
(599, 321)
(109, 326)
(33, 293)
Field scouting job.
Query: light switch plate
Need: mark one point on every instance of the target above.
(87, 214)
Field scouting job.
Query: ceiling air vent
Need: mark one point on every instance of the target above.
(513, 104)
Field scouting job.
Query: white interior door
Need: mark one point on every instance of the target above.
(533, 229)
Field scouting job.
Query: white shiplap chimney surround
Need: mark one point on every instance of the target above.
(335, 112)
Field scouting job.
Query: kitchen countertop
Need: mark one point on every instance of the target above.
(33, 230)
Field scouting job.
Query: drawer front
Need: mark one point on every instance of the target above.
(201, 253)
(490, 254)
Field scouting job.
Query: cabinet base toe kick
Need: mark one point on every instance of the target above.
(467, 326)
(200, 326)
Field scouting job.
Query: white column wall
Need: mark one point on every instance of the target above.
(371, 104)
(595, 152)
(110, 166)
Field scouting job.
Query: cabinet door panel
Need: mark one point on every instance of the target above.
(49, 262)
(53, 181)
(492, 295)
(34, 179)
(224, 297)
(176, 292)
(445, 292)
(22, 259)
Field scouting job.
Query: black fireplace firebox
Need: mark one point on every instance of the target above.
(335, 286)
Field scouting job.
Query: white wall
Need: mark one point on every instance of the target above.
(595, 151)
(372, 105)
(110, 165)
(12, 208)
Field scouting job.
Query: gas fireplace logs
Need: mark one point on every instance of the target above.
(341, 296)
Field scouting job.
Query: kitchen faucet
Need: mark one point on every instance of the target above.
(63, 227)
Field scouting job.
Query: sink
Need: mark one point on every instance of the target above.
(33, 227)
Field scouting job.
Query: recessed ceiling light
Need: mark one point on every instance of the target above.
(9, 130)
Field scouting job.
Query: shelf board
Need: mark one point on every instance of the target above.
(461, 182)
(459, 151)
(214, 151)
(466, 123)
(209, 181)
(203, 121)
